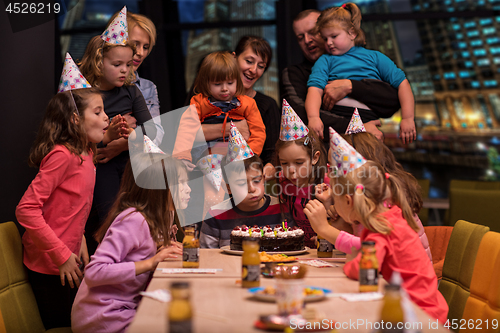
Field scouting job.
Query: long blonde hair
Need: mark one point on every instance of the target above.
(347, 16)
(370, 189)
(91, 64)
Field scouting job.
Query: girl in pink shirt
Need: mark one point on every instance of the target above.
(140, 219)
(360, 197)
(55, 206)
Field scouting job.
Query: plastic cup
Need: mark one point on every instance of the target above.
(289, 296)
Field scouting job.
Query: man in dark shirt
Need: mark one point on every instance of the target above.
(377, 95)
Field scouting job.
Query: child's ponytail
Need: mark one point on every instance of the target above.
(398, 198)
(355, 12)
(348, 16)
(372, 189)
(367, 209)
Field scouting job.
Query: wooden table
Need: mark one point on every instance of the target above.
(221, 305)
(231, 265)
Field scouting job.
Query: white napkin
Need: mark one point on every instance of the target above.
(162, 295)
(317, 263)
(360, 297)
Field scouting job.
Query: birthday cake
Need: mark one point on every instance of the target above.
(277, 239)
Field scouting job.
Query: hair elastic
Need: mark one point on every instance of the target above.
(359, 187)
(387, 175)
(343, 6)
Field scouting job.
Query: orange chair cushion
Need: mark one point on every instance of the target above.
(438, 237)
(484, 300)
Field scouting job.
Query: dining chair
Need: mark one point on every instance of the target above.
(17, 301)
(439, 237)
(424, 212)
(459, 264)
(483, 304)
(2, 324)
(475, 201)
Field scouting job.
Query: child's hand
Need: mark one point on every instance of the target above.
(372, 127)
(165, 253)
(84, 252)
(351, 256)
(269, 172)
(189, 166)
(130, 119)
(71, 271)
(332, 213)
(316, 214)
(323, 193)
(407, 131)
(118, 128)
(315, 124)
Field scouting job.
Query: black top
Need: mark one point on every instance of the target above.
(129, 99)
(377, 95)
(271, 116)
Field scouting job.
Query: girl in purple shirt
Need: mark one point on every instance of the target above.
(141, 217)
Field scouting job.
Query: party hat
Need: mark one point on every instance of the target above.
(117, 31)
(345, 157)
(238, 149)
(150, 146)
(210, 167)
(355, 125)
(292, 128)
(71, 77)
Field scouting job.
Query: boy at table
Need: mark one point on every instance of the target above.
(242, 172)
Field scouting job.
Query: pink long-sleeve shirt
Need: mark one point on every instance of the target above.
(345, 241)
(402, 251)
(54, 209)
(109, 294)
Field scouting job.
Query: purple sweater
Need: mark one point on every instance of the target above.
(109, 294)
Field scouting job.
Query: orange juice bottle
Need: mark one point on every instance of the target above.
(180, 313)
(392, 312)
(325, 248)
(190, 249)
(250, 263)
(368, 268)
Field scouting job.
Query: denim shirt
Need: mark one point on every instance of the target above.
(148, 90)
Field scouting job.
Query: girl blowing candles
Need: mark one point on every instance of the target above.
(299, 152)
(360, 191)
(107, 63)
(141, 217)
(56, 205)
(340, 27)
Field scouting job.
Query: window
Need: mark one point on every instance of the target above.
(490, 83)
(449, 75)
(198, 43)
(470, 24)
(476, 43)
(489, 31)
(479, 52)
(483, 62)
